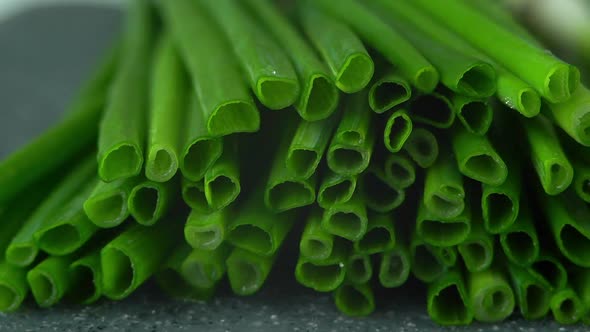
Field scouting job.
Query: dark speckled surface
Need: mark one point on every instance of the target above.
(44, 55)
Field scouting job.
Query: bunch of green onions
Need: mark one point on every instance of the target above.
(437, 139)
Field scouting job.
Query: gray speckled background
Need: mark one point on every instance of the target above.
(44, 55)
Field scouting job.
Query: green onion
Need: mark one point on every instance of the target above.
(388, 91)
(308, 146)
(549, 269)
(354, 299)
(149, 201)
(122, 131)
(325, 275)
(532, 294)
(193, 194)
(88, 273)
(257, 229)
(13, 286)
(395, 266)
(352, 145)
(422, 146)
(206, 231)
(134, 255)
(426, 265)
(400, 171)
(447, 256)
(169, 95)
(247, 271)
(107, 206)
(552, 78)
(581, 181)
(475, 114)
(566, 306)
(477, 250)
(380, 195)
(380, 36)
(50, 280)
(225, 101)
(315, 244)
(380, 236)
(573, 115)
(490, 295)
(319, 97)
(444, 195)
(443, 232)
(347, 220)
(501, 204)
(397, 131)
(340, 48)
(520, 241)
(23, 249)
(203, 269)
(222, 180)
(580, 283)
(359, 269)
(266, 65)
(447, 300)
(432, 109)
(335, 189)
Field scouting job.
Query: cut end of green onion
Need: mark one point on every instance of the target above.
(559, 177)
(107, 210)
(551, 271)
(289, 195)
(425, 266)
(345, 224)
(499, 212)
(123, 161)
(337, 193)
(145, 204)
(200, 274)
(359, 269)
(394, 269)
(277, 93)
(194, 196)
(234, 117)
(319, 100)
(477, 255)
(566, 307)
(388, 93)
(582, 185)
(10, 297)
(448, 202)
(422, 146)
(476, 116)
(87, 291)
(562, 81)
(434, 110)
(199, 156)
(21, 255)
(251, 238)
(397, 131)
(321, 278)
(381, 196)
(536, 302)
(520, 247)
(355, 300)
(496, 304)
(206, 237)
(60, 240)
(575, 245)
(400, 171)
(426, 79)
(376, 240)
(246, 272)
(447, 307)
(443, 233)
(347, 160)
(582, 127)
(356, 73)
(315, 249)
(478, 81)
(529, 103)
(161, 165)
(486, 168)
(43, 288)
(118, 273)
(221, 191)
(303, 162)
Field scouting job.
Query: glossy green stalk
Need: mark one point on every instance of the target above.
(257, 229)
(356, 300)
(433, 109)
(315, 244)
(200, 149)
(55, 147)
(380, 236)
(567, 217)
(422, 147)
(171, 280)
(247, 271)
(500, 205)
(325, 275)
(348, 220)
(359, 269)
(319, 96)
(477, 158)
(88, 273)
(267, 67)
(549, 269)
(444, 195)
(389, 91)
(340, 48)
(443, 232)
(206, 231)
(477, 250)
(490, 294)
(225, 102)
(532, 295)
(23, 249)
(573, 115)
(395, 266)
(581, 181)
(520, 241)
(426, 265)
(134, 255)
(448, 301)
(476, 115)
(122, 130)
(566, 306)
(380, 36)
(50, 280)
(551, 164)
(397, 130)
(335, 189)
(380, 195)
(13, 286)
(107, 206)
(222, 180)
(203, 269)
(351, 147)
(308, 146)
(552, 78)
(193, 194)
(169, 97)
(400, 170)
(69, 228)
(149, 201)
